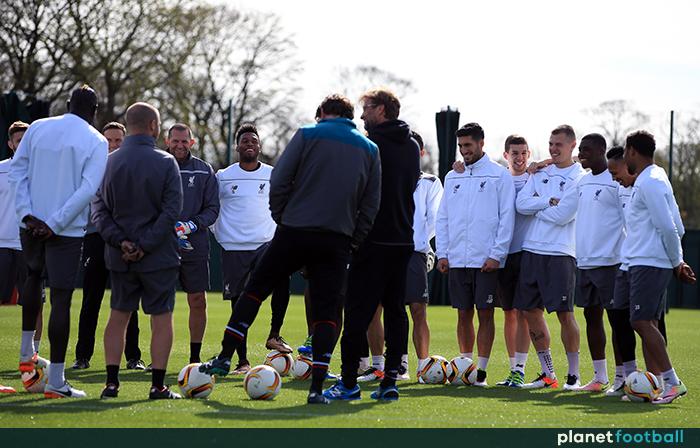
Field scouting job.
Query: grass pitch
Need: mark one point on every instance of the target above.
(419, 406)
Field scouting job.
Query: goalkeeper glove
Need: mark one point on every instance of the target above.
(185, 228)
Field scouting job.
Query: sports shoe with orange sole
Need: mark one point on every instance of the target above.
(542, 382)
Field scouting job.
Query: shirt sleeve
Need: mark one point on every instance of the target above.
(19, 176)
(442, 235)
(210, 207)
(565, 211)
(506, 222)
(528, 201)
(283, 174)
(171, 208)
(92, 175)
(368, 206)
(656, 197)
(432, 206)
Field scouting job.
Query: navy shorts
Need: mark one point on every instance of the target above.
(417, 279)
(596, 287)
(469, 288)
(648, 292)
(194, 275)
(548, 283)
(622, 290)
(155, 291)
(508, 281)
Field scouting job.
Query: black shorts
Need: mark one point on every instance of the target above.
(237, 266)
(469, 287)
(508, 281)
(546, 282)
(648, 292)
(194, 275)
(596, 287)
(11, 265)
(622, 290)
(155, 291)
(59, 255)
(417, 279)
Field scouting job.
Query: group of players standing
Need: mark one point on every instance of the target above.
(357, 215)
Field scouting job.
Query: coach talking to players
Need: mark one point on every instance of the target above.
(135, 211)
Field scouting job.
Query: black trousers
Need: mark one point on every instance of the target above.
(377, 276)
(94, 284)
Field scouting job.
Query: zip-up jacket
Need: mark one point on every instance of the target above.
(476, 215)
(328, 178)
(522, 222)
(600, 225)
(200, 192)
(56, 171)
(9, 229)
(553, 232)
(427, 200)
(655, 228)
(244, 221)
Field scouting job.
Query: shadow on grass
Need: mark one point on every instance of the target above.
(584, 402)
(33, 403)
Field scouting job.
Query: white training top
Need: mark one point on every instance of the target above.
(654, 225)
(522, 222)
(56, 171)
(600, 226)
(244, 221)
(476, 215)
(553, 231)
(9, 229)
(427, 200)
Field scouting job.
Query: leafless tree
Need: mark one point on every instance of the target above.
(616, 119)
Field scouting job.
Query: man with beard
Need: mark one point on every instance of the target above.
(653, 248)
(324, 195)
(200, 208)
(244, 230)
(379, 266)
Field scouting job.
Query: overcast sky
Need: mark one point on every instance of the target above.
(514, 67)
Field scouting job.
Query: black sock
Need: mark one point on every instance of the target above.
(322, 344)
(195, 349)
(242, 317)
(113, 375)
(158, 378)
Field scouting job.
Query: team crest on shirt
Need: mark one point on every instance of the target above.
(561, 185)
(489, 299)
(482, 185)
(456, 187)
(597, 195)
(261, 190)
(234, 188)
(545, 181)
(190, 183)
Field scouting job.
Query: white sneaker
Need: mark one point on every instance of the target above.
(65, 391)
(371, 374)
(572, 383)
(593, 386)
(542, 382)
(617, 389)
(480, 384)
(403, 376)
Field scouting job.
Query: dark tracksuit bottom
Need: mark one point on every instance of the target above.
(377, 277)
(94, 284)
(326, 256)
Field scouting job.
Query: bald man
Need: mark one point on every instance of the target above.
(52, 212)
(135, 211)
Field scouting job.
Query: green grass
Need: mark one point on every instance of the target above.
(419, 406)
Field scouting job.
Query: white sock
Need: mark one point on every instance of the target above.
(404, 361)
(378, 362)
(670, 377)
(520, 361)
(629, 366)
(37, 343)
(573, 364)
(512, 363)
(56, 377)
(26, 350)
(600, 368)
(364, 363)
(469, 355)
(546, 362)
(660, 379)
(619, 373)
(482, 362)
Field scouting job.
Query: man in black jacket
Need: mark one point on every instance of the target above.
(200, 209)
(324, 195)
(135, 211)
(378, 269)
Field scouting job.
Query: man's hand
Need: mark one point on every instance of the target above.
(37, 228)
(443, 265)
(684, 273)
(553, 202)
(183, 228)
(536, 166)
(458, 166)
(490, 265)
(131, 252)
